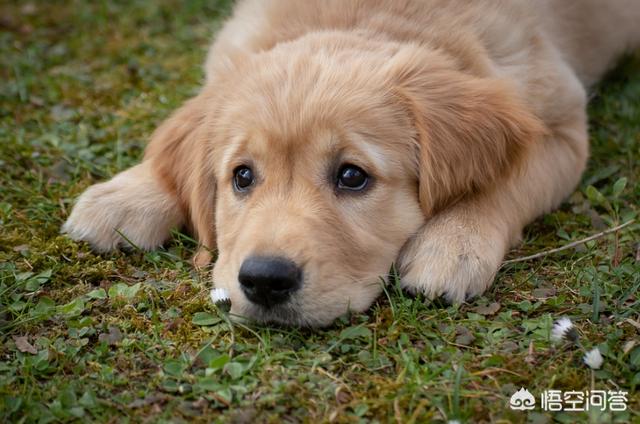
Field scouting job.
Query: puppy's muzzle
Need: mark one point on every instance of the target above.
(269, 280)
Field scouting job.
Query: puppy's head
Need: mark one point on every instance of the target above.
(326, 158)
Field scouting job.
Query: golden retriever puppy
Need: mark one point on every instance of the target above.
(334, 138)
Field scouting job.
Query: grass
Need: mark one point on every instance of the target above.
(133, 336)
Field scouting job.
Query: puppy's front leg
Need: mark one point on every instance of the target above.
(458, 252)
(455, 254)
(146, 201)
(132, 204)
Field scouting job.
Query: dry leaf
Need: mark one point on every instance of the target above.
(22, 248)
(633, 322)
(596, 221)
(510, 347)
(465, 337)
(628, 346)
(23, 345)
(544, 292)
(489, 309)
(342, 396)
(149, 400)
(112, 337)
(29, 9)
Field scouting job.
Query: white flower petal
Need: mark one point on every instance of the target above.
(219, 295)
(594, 359)
(561, 328)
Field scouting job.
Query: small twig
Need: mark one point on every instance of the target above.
(570, 245)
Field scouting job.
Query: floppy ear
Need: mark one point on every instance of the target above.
(470, 131)
(178, 154)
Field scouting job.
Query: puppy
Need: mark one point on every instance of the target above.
(334, 138)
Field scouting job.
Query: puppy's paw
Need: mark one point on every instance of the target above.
(132, 204)
(454, 255)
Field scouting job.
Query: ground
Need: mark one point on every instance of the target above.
(133, 336)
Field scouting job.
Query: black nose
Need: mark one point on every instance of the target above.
(269, 280)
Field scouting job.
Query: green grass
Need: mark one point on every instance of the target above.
(133, 336)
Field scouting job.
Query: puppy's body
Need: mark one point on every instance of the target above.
(467, 117)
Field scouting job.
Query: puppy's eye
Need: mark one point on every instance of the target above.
(243, 178)
(350, 177)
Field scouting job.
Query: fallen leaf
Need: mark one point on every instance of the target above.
(58, 172)
(149, 400)
(243, 415)
(544, 292)
(443, 328)
(36, 101)
(633, 322)
(638, 252)
(580, 248)
(62, 113)
(465, 337)
(139, 274)
(489, 309)
(510, 346)
(173, 324)
(112, 337)
(596, 221)
(21, 249)
(342, 396)
(23, 345)
(201, 403)
(628, 346)
(604, 320)
(28, 9)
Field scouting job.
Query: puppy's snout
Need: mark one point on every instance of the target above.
(268, 280)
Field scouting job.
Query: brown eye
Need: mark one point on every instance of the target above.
(350, 177)
(243, 178)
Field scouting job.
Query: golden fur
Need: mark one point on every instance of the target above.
(469, 117)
